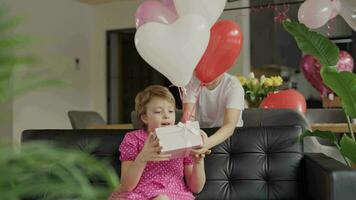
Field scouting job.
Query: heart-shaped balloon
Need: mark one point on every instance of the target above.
(311, 70)
(224, 47)
(154, 11)
(209, 9)
(174, 49)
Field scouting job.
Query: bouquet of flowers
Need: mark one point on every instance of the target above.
(257, 89)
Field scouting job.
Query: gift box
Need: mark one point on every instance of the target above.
(178, 140)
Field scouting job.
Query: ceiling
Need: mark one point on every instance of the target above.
(253, 3)
(93, 2)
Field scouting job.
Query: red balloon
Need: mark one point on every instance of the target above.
(311, 70)
(290, 98)
(224, 47)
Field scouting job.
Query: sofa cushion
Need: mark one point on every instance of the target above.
(255, 163)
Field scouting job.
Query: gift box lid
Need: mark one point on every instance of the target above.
(179, 136)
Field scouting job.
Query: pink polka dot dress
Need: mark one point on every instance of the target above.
(163, 177)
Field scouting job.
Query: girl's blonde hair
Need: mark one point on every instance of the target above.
(145, 96)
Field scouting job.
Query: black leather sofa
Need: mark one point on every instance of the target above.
(262, 160)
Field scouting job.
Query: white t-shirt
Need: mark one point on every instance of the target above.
(212, 103)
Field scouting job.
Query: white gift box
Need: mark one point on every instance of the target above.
(178, 140)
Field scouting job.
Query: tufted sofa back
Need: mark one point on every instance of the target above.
(262, 160)
(256, 163)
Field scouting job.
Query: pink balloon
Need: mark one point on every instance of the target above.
(346, 62)
(311, 70)
(170, 4)
(154, 11)
(315, 13)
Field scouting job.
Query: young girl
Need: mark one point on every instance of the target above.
(220, 104)
(147, 174)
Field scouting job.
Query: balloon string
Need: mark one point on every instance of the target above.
(187, 115)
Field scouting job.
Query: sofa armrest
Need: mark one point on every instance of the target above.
(326, 178)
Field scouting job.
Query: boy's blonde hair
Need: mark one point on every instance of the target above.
(145, 96)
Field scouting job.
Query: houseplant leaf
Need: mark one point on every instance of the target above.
(313, 43)
(348, 148)
(322, 134)
(344, 85)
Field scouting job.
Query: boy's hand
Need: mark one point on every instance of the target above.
(200, 152)
(151, 150)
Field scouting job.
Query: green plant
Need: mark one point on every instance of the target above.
(342, 83)
(257, 89)
(39, 170)
(13, 60)
(44, 171)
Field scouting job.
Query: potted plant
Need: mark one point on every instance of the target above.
(43, 171)
(342, 83)
(257, 89)
(39, 170)
(13, 61)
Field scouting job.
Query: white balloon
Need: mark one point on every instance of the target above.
(315, 13)
(348, 12)
(174, 49)
(209, 9)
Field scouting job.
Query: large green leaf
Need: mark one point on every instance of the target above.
(322, 134)
(313, 43)
(344, 85)
(348, 148)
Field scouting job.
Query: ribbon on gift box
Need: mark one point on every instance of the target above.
(188, 128)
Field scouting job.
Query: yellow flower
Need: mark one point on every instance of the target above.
(242, 80)
(277, 80)
(268, 82)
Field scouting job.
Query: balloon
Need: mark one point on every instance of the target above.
(170, 5)
(290, 98)
(209, 9)
(174, 49)
(335, 8)
(311, 70)
(224, 47)
(154, 11)
(348, 12)
(345, 63)
(315, 13)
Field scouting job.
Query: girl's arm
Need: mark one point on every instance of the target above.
(231, 117)
(131, 171)
(195, 175)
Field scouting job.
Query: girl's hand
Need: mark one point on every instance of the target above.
(199, 153)
(151, 150)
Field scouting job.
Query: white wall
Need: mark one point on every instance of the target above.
(111, 16)
(62, 32)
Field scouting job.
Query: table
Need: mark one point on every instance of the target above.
(111, 126)
(334, 127)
